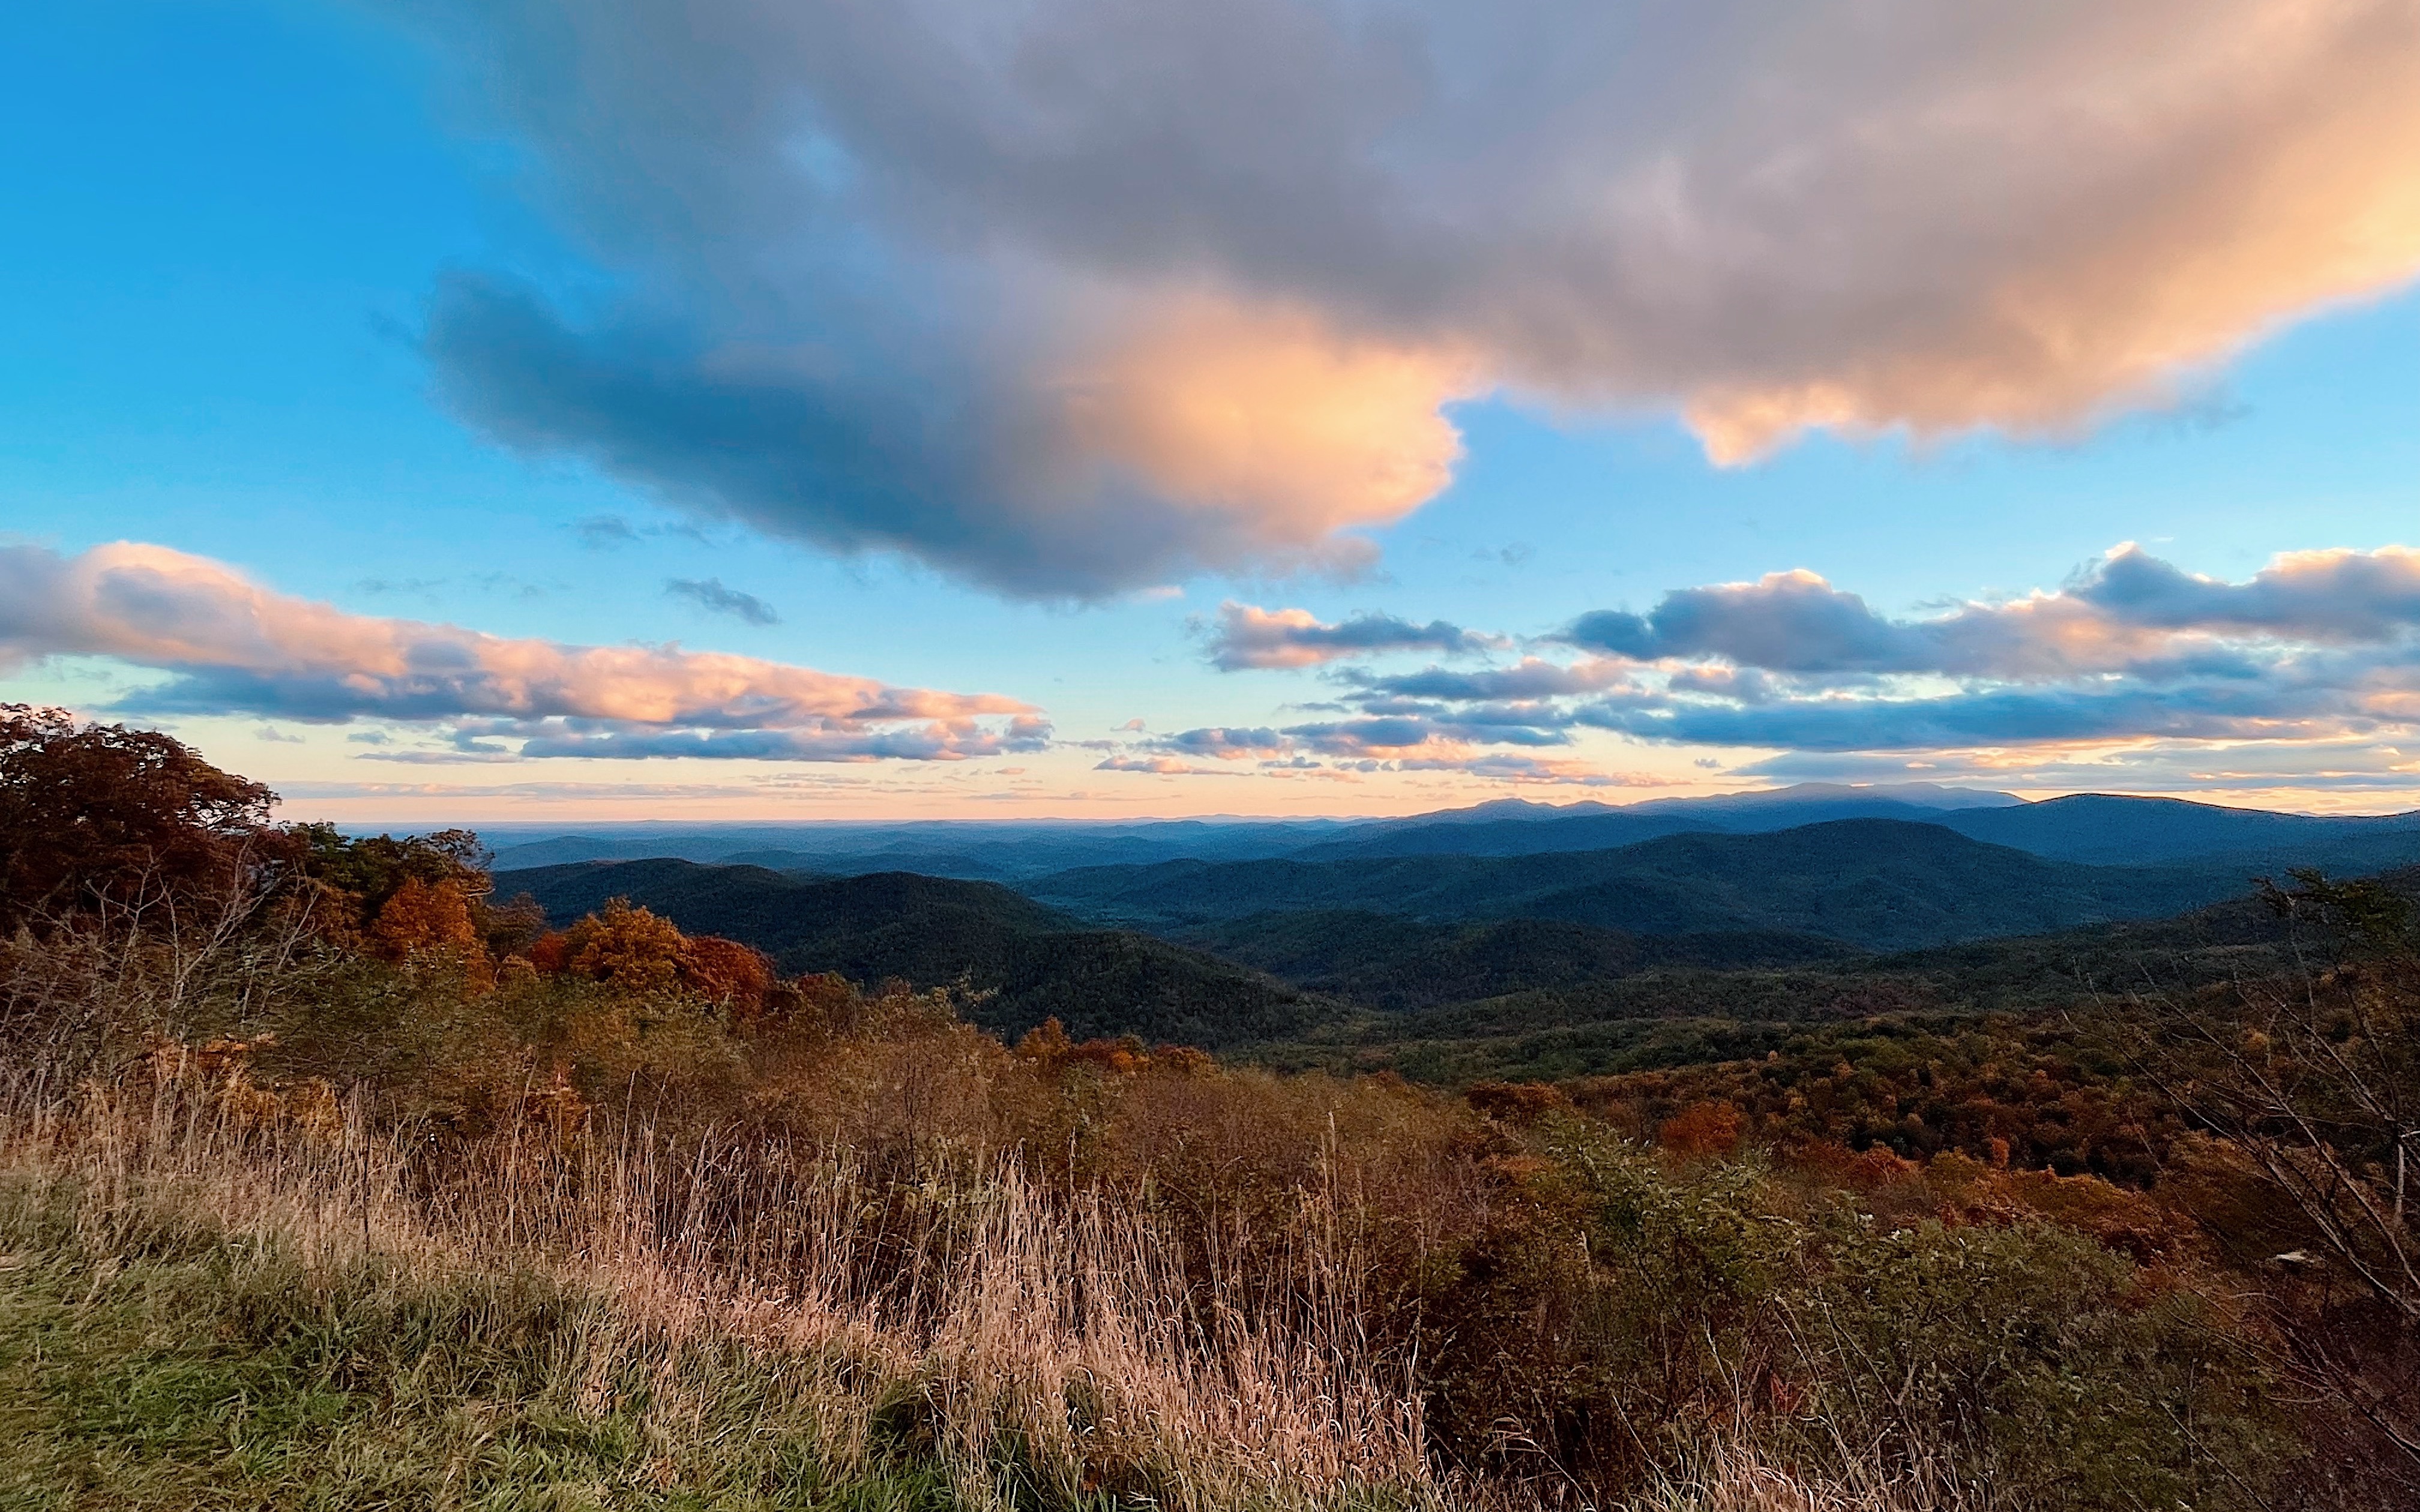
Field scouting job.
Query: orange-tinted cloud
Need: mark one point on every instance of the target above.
(1271, 416)
(1076, 296)
(235, 646)
(2201, 173)
(1248, 636)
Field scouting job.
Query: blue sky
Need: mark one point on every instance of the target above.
(230, 233)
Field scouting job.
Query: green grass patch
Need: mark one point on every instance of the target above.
(233, 1381)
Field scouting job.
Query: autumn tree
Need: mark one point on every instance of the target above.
(1707, 1128)
(629, 946)
(735, 975)
(421, 918)
(367, 870)
(104, 818)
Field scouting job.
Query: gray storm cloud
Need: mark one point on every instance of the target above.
(1070, 296)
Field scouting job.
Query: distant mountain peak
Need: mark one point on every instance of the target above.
(1507, 809)
(1914, 795)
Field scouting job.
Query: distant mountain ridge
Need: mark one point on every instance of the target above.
(1879, 884)
(2096, 828)
(2108, 829)
(1776, 925)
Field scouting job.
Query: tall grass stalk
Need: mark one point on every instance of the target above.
(1035, 1345)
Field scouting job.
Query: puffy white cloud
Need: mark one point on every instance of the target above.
(1070, 296)
(233, 645)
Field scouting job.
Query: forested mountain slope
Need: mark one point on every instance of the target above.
(1025, 962)
(1393, 963)
(1874, 883)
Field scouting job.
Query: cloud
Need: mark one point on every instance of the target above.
(232, 646)
(1248, 636)
(2353, 767)
(708, 593)
(1224, 743)
(1533, 677)
(1784, 622)
(1796, 622)
(2339, 596)
(602, 532)
(2315, 644)
(938, 741)
(1078, 296)
(2128, 612)
(1402, 744)
(1993, 716)
(1162, 766)
(1501, 766)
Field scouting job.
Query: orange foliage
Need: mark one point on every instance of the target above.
(1710, 1128)
(1047, 1045)
(632, 946)
(1522, 1102)
(550, 952)
(423, 919)
(1049, 1048)
(1867, 1170)
(736, 974)
(1183, 1060)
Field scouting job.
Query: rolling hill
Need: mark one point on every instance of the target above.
(1877, 884)
(2105, 829)
(1680, 1014)
(1394, 964)
(1034, 962)
(1517, 828)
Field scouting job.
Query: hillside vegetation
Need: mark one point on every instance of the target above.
(1396, 964)
(1670, 1014)
(1016, 962)
(327, 1179)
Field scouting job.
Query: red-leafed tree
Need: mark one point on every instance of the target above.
(737, 976)
(100, 817)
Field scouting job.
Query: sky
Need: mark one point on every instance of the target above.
(794, 409)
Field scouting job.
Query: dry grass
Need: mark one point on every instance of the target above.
(1012, 1335)
(1029, 1345)
(1737, 1477)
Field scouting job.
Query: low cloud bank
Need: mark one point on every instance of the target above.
(2320, 648)
(232, 646)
